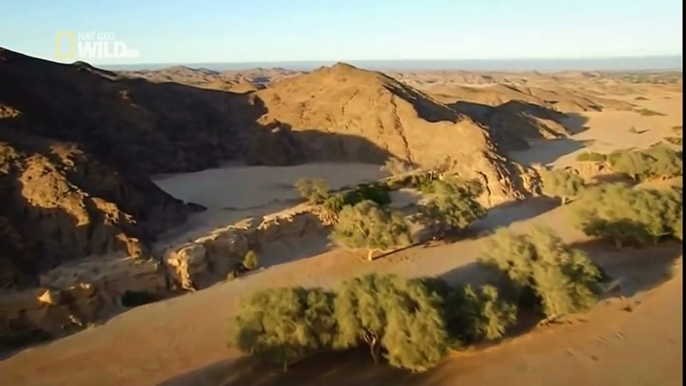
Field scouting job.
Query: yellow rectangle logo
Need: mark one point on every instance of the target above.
(68, 50)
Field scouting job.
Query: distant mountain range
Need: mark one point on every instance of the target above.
(646, 63)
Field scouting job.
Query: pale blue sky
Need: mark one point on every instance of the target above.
(188, 31)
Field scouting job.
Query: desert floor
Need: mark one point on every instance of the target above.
(635, 340)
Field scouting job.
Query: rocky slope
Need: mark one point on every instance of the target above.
(138, 126)
(58, 204)
(344, 113)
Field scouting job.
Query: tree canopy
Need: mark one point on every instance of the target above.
(561, 183)
(542, 271)
(314, 191)
(367, 225)
(285, 324)
(630, 215)
(452, 206)
(399, 315)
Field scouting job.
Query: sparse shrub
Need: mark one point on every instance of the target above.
(415, 180)
(250, 261)
(649, 113)
(679, 141)
(540, 270)
(640, 98)
(561, 183)
(633, 130)
(639, 165)
(375, 192)
(591, 157)
(452, 207)
(285, 324)
(367, 225)
(313, 191)
(231, 276)
(630, 216)
(396, 166)
(678, 130)
(393, 314)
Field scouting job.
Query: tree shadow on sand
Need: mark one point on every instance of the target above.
(636, 270)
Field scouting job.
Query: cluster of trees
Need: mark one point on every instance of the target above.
(451, 207)
(540, 271)
(657, 161)
(414, 323)
(630, 216)
(561, 183)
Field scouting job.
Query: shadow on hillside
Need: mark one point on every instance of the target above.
(149, 128)
(525, 127)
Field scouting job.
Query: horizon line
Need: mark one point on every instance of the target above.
(506, 59)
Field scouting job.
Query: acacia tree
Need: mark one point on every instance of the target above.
(367, 225)
(393, 314)
(285, 324)
(656, 161)
(314, 191)
(472, 313)
(451, 206)
(542, 271)
(561, 183)
(629, 215)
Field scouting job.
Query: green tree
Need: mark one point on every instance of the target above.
(639, 165)
(250, 261)
(543, 272)
(285, 324)
(393, 314)
(629, 215)
(313, 191)
(452, 207)
(367, 225)
(561, 183)
(472, 313)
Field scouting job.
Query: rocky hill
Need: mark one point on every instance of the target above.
(345, 113)
(138, 126)
(77, 177)
(59, 204)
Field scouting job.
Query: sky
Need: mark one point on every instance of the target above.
(197, 31)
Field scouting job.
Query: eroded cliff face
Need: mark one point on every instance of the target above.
(83, 292)
(76, 295)
(210, 258)
(60, 205)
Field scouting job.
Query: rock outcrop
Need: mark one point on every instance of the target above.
(59, 204)
(73, 296)
(210, 258)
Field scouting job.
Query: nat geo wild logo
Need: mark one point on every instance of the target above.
(70, 45)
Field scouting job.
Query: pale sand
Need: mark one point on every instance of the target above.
(244, 187)
(176, 340)
(156, 342)
(609, 131)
